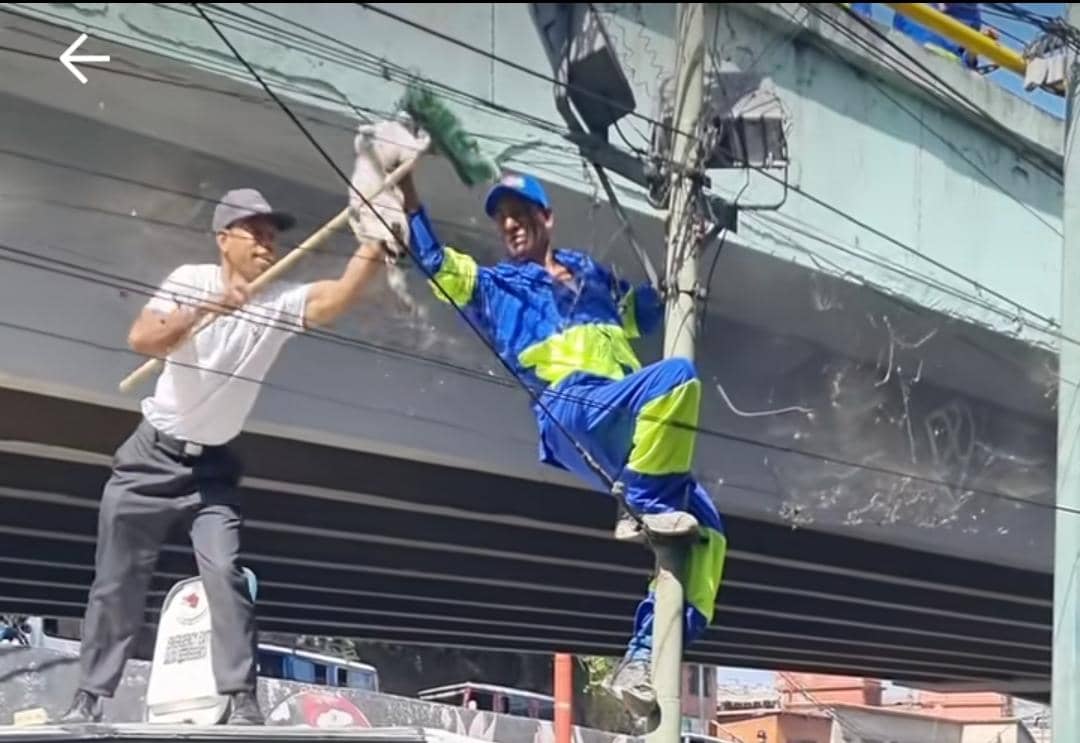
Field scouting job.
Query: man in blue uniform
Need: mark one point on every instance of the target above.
(563, 324)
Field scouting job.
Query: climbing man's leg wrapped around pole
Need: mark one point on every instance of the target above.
(644, 427)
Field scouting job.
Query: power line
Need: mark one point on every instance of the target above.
(361, 111)
(752, 442)
(610, 480)
(462, 226)
(840, 719)
(907, 306)
(839, 212)
(868, 25)
(835, 210)
(988, 9)
(932, 261)
(820, 202)
(1034, 158)
(251, 312)
(671, 129)
(522, 68)
(123, 284)
(597, 469)
(354, 58)
(352, 404)
(376, 68)
(1050, 25)
(931, 283)
(805, 230)
(483, 104)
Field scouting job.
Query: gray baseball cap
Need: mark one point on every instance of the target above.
(241, 203)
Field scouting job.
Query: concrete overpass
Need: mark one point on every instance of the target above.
(376, 547)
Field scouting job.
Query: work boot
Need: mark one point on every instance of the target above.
(627, 529)
(631, 684)
(85, 708)
(244, 709)
(670, 525)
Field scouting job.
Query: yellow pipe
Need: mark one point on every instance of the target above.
(964, 35)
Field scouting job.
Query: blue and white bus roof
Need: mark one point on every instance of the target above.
(316, 656)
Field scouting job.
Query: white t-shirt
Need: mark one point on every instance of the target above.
(210, 382)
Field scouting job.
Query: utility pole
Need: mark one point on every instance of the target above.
(680, 333)
(564, 697)
(1065, 705)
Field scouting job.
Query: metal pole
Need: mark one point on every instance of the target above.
(1065, 706)
(564, 695)
(963, 34)
(679, 337)
(701, 698)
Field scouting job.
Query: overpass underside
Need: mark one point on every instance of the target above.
(380, 548)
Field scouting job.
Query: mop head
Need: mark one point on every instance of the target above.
(448, 136)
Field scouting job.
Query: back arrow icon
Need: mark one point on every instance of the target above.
(68, 56)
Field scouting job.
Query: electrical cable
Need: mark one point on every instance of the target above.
(942, 138)
(1049, 169)
(346, 340)
(352, 404)
(461, 226)
(597, 97)
(617, 489)
(886, 471)
(375, 69)
(335, 100)
(989, 11)
(820, 202)
(831, 242)
(667, 127)
(839, 212)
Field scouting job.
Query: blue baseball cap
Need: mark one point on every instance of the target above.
(520, 184)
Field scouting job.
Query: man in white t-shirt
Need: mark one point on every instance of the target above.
(177, 465)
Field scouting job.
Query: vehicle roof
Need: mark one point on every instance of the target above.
(317, 655)
(449, 688)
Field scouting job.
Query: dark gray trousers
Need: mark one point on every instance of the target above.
(154, 485)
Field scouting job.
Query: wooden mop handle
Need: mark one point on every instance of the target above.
(154, 365)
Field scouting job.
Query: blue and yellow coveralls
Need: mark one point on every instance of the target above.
(570, 343)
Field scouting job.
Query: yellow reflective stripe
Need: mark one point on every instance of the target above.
(628, 314)
(595, 349)
(664, 432)
(705, 568)
(456, 276)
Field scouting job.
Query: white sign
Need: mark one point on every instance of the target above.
(182, 688)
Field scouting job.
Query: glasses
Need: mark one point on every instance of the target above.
(261, 236)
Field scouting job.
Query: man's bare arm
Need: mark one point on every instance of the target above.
(327, 300)
(156, 333)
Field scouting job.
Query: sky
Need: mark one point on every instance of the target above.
(1009, 28)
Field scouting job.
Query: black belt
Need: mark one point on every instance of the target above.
(179, 447)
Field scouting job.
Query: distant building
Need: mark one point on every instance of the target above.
(814, 708)
(698, 697)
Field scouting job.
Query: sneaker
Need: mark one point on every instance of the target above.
(631, 684)
(244, 709)
(627, 529)
(670, 525)
(85, 708)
